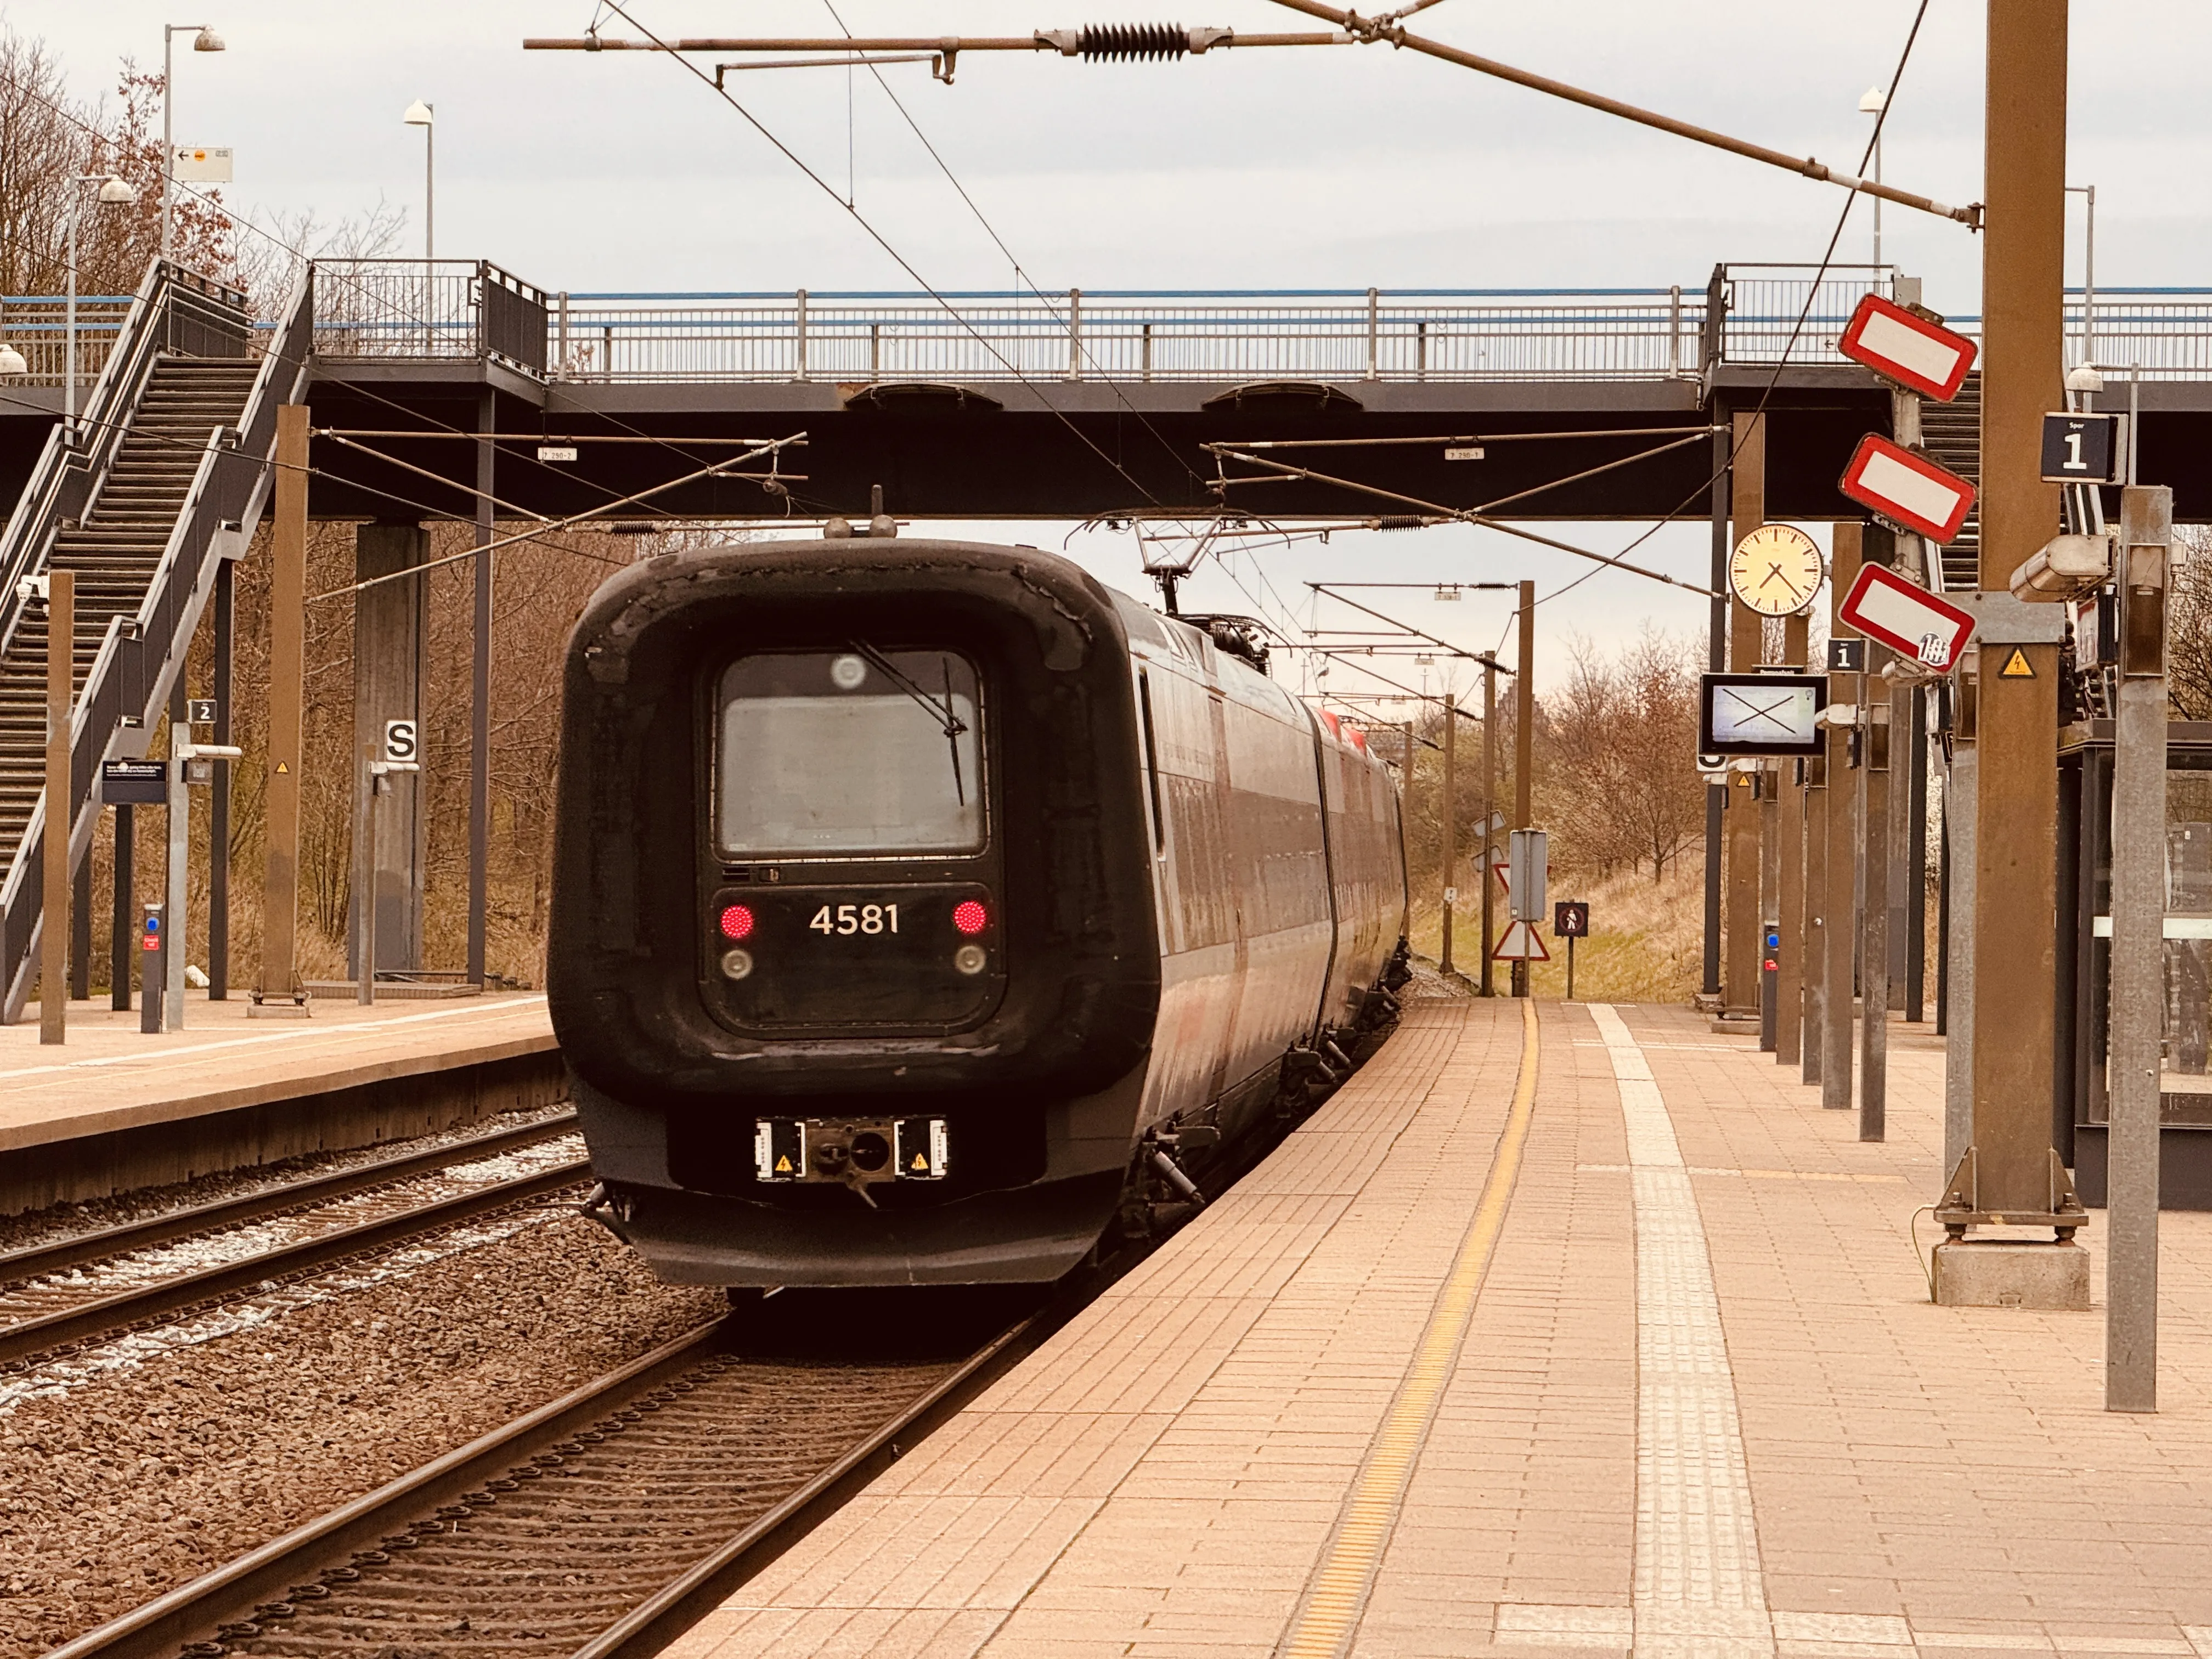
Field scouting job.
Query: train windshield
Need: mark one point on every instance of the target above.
(852, 752)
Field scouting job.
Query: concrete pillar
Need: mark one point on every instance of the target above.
(390, 634)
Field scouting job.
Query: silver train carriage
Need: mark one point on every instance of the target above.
(924, 909)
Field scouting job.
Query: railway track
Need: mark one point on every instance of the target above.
(601, 1524)
(77, 1290)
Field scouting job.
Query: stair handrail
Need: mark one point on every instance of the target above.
(131, 672)
(69, 475)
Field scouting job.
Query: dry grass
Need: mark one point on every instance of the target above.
(1646, 938)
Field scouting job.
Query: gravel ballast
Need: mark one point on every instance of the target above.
(134, 1473)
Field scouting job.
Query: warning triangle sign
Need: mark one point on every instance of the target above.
(1521, 944)
(919, 1163)
(281, 767)
(783, 1165)
(2016, 666)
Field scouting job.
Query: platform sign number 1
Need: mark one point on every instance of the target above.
(400, 743)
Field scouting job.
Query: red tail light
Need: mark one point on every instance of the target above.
(738, 921)
(971, 917)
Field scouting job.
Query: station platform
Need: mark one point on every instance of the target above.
(1590, 1335)
(114, 1107)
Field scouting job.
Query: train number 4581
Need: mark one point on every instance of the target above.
(856, 919)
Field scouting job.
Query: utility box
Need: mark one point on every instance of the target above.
(1527, 869)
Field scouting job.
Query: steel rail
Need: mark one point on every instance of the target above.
(42, 1259)
(74, 1325)
(193, 1613)
(193, 1610)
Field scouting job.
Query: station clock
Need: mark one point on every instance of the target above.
(1775, 570)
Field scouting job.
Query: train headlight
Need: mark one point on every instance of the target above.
(736, 965)
(971, 958)
(738, 921)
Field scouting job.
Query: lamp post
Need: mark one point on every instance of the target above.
(425, 116)
(2088, 192)
(1872, 102)
(206, 40)
(113, 191)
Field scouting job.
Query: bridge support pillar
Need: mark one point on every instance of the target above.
(390, 637)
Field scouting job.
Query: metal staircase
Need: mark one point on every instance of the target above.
(167, 475)
(1952, 435)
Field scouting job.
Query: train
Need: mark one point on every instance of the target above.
(926, 912)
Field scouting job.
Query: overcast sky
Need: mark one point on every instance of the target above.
(1328, 167)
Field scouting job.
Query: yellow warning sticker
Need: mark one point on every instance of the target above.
(783, 1165)
(2016, 666)
(281, 767)
(919, 1163)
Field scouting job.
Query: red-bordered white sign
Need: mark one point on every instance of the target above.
(1909, 349)
(1906, 617)
(1908, 488)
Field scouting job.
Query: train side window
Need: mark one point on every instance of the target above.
(1151, 760)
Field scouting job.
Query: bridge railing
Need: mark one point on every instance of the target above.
(454, 311)
(37, 325)
(1125, 335)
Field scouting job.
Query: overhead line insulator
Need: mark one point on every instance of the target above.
(1115, 43)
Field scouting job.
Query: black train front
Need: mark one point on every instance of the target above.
(921, 908)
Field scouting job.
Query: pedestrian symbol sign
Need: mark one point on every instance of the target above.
(2016, 666)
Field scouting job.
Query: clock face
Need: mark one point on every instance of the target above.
(1775, 570)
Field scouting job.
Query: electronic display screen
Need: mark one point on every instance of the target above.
(1761, 713)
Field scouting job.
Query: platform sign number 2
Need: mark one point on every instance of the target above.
(400, 743)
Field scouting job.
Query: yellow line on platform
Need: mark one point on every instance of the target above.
(1340, 1587)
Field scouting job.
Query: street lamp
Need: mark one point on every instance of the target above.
(205, 40)
(425, 116)
(113, 191)
(2088, 274)
(1872, 102)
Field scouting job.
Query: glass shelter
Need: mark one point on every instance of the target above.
(2085, 927)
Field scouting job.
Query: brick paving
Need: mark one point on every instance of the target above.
(1166, 1475)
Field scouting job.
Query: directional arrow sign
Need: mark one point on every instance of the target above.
(1521, 944)
(1906, 617)
(1908, 488)
(1900, 346)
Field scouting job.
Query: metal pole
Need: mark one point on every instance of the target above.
(429, 187)
(1916, 862)
(180, 869)
(1789, 911)
(80, 948)
(1769, 906)
(69, 338)
(2138, 957)
(1448, 812)
(226, 585)
(1812, 934)
(1489, 816)
(120, 943)
(2015, 849)
(364, 877)
(1571, 967)
(1840, 921)
(1962, 798)
(1716, 661)
(1874, 914)
(286, 656)
(168, 147)
(1524, 736)
(480, 696)
(54, 857)
(1746, 647)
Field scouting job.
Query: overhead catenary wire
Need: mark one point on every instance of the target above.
(884, 242)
